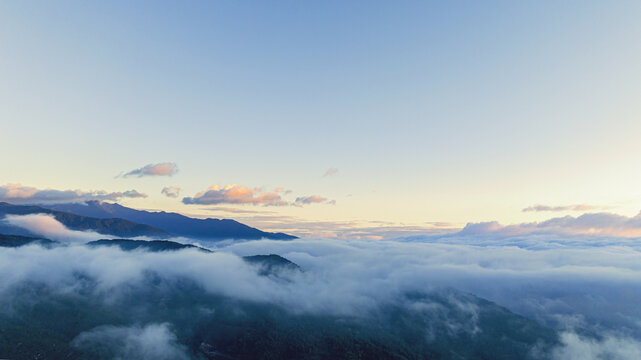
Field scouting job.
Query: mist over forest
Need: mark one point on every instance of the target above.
(472, 294)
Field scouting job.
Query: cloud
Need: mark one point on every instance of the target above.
(171, 191)
(545, 276)
(160, 169)
(351, 276)
(330, 172)
(595, 224)
(282, 190)
(542, 276)
(47, 226)
(598, 278)
(19, 194)
(577, 207)
(313, 199)
(238, 211)
(235, 194)
(133, 194)
(154, 341)
(242, 195)
(576, 347)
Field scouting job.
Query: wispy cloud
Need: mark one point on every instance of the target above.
(330, 172)
(351, 229)
(559, 208)
(160, 169)
(19, 194)
(171, 191)
(132, 194)
(282, 191)
(238, 210)
(313, 199)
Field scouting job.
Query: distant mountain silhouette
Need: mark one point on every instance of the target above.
(111, 226)
(173, 223)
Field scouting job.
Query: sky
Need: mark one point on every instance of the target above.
(416, 114)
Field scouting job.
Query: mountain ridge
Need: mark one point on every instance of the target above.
(173, 223)
(109, 226)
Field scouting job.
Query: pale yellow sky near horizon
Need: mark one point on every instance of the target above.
(431, 113)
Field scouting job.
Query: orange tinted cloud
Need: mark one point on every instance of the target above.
(160, 169)
(238, 194)
(235, 194)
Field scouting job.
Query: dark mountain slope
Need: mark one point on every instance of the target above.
(17, 241)
(438, 325)
(177, 224)
(111, 226)
(271, 263)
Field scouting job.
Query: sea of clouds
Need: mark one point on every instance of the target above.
(585, 286)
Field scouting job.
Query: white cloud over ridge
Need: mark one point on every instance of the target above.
(20, 194)
(235, 194)
(47, 226)
(151, 342)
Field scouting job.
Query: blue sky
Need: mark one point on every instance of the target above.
(431, 111)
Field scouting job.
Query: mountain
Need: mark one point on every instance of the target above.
(173, 223)
(179, 317)
(111, 226)
(17, 241)
(49, 324)
(152, 245)
(270, 264)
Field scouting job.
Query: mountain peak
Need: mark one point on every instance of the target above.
(108, 225)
